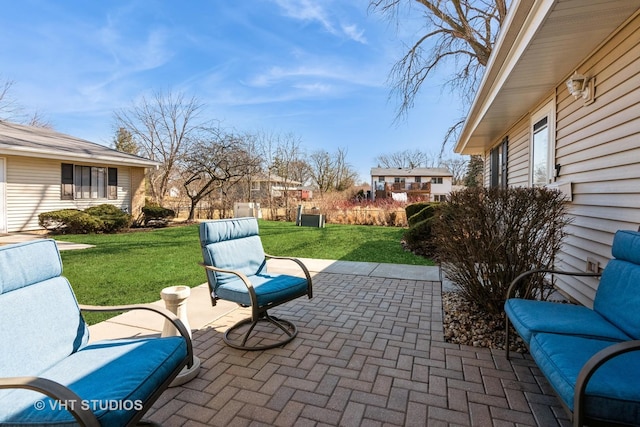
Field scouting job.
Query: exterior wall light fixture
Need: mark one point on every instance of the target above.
(581, 86)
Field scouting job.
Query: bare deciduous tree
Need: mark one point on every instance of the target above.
(38, 120)
(407, 159)
(331, 171)
(322, 172)
(283, 158)
(345, 176)
(8, 105)
(162, 127)
(10, 109)
(218, 159)
(288, 164)
(458, 32)
(458, 168)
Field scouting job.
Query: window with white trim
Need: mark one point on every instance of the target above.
(88, 182)
(542, 146)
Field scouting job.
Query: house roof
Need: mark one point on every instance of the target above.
(410, 172)
(29, 141)
(263, 177)
(541, 43)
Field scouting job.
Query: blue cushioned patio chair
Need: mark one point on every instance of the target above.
(49, 372)
(236, 267)
(590, 356)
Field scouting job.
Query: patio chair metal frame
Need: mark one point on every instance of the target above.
(84, 415)
(259, 313)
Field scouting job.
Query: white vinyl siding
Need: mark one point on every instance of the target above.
(518, 155)
(598, 148)
(599, 153)
(33, 187)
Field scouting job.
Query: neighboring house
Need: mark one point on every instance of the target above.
(262, 186)
(430, 184)
(42, 170)
(532, 131)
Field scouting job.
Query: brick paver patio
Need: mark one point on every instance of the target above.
(370, 351)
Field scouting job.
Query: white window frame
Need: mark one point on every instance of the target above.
(547, 110)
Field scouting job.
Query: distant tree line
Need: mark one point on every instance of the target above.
(208, 162)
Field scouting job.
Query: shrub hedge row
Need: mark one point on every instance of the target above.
(98, 219)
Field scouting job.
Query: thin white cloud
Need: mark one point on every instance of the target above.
(329, 72)
(310, 11)
(129, 55)
(306, 10)
(354, 33)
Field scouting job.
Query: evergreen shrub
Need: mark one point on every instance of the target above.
(157, 215)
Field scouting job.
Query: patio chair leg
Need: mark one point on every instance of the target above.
(506, 337)
(289, 329)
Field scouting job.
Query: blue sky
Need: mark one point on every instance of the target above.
(317, 69)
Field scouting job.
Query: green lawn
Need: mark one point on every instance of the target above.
(133, 267)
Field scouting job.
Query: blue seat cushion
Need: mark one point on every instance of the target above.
(529, 316)
(618, 297)
(613, 393)
(270, 288)
(120, 374)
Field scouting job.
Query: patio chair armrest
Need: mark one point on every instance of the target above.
(149, 307)
(517, 280)
(590, 368)
(241, 276)
(56, 391)
(300, 264)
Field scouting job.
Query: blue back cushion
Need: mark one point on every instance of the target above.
(618, 295)
(41, 321)
(231, 244)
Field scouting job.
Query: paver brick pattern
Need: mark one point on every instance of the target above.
(369, 352)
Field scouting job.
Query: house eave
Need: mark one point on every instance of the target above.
(30, 141)
(78, 157)
(541, 44)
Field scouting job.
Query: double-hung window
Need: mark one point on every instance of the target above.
(88, 182)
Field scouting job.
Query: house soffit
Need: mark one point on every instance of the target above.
(543, 43)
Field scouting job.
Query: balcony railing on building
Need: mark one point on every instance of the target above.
(413, 189)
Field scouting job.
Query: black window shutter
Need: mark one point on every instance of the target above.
(66, 182)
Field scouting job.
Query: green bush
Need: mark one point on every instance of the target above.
(485, 238)
(414, 208)
(419, 238)
(157, 215)
(102, 218)
(70, 221)
(113, 218)
(425, 213)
